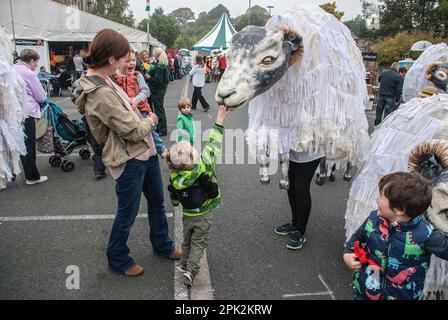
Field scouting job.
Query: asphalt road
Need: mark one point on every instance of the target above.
(247, 259)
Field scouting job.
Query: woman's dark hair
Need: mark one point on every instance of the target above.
(26, 55)
(199, 60)
(408, 192)
(106, 44)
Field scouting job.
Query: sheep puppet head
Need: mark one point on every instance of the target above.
(270, 52)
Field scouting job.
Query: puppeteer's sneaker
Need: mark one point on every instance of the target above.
(296, 241)
(42, 179)
(285, 229)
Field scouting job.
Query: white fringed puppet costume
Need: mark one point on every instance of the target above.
(414, 81)
(305, 79)
(417, 121)
(12, 114)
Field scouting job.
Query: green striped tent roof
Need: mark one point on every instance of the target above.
(219, 37)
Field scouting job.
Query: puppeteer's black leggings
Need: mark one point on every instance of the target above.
(300, 177)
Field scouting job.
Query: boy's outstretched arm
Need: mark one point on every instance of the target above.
(213, 147)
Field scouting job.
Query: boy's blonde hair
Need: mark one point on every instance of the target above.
(183, 102)
(182, 156)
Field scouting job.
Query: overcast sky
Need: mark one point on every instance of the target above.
(351, 8)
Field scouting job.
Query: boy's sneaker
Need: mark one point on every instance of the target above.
(296, 241)
(181, 267)
(285, 229)
(188, 278)
(42, 179)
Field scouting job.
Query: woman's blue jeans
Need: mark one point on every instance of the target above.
(138, 176)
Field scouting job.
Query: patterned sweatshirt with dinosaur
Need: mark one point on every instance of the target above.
(401, 253)
(182, 179)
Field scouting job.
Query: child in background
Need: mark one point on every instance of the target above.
(390, 253)
(185, 122)
(194, 185)
(133, 83)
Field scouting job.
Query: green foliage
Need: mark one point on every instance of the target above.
(358, 27)
(115, 10)
(409, 15)
(258, 17)
(330, 7)
(184, 41)
(391, 49)
(162, 27)
(173, 31)
(182, 15)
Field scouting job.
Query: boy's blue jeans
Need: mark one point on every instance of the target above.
(138, 176)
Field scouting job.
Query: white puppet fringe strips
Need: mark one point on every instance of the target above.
(389, 148)
(320, 102)
(414, 82)
(12, 114)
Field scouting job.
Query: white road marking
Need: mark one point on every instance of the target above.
(72, 217)
(326, 286)
(309, 294)
(180, 290)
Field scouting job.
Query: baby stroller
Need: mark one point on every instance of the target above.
(68, 135)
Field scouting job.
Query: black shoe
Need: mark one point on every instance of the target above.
(285, 229)
(296, 241)
(207, 109)
(100, 175)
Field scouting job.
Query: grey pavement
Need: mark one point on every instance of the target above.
(247, 260)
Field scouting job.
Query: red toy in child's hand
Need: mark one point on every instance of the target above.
(362, 256)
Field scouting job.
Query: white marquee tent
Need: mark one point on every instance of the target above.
(51, 21)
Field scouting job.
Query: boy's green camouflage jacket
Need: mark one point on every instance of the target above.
(206, 164)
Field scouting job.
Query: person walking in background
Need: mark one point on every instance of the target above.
(222, 65)
(79, 65)
(158, 83)
(35, 94)
(399, 100)
(198, 74)
(388, 93)
(177, 74)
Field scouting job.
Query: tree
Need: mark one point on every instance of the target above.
(408, 15)
(217, 12)
(358, 27)
(330, 7)
(258, 17)
(115, 10)
(162, 27)
(182, 15)
(391, 49)
(184, 41)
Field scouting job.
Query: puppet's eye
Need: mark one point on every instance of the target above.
(441, 75)
(268, 60)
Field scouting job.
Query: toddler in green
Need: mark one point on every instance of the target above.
(185, 122)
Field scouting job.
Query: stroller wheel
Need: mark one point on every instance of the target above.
(84, 154)
(68, 166)
(55, 161)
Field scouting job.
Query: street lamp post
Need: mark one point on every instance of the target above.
(249, 11)
(270, 7)
(13, 29)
